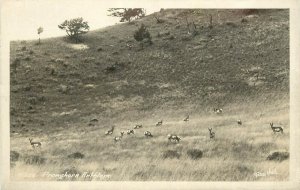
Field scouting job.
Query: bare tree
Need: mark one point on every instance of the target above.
(127, 14)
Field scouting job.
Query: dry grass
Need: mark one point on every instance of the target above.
(237, 152)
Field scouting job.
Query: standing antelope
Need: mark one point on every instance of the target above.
(187, 118)
(109, 132)
(159, 123)
(35, 144)
(211, 133)
(276, 128)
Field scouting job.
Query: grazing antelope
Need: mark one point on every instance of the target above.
(239, 122)
(218, 110)
(109, 132)
(116, 139)
(276, 128)
(130, 131)
(174, 138)
(138, 126)
(211, 133)
(159, 123)
(148, 134)
(187, 118)
(35, 144)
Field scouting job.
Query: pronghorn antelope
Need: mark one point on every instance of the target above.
(148, 134)
(35, 144)
(122, 133)
(116, 139)
(130, 131)
(276, 128)
(187, 118)
(138, 126)
(173, 138)
(129, 46)
(211, 133)
(218, 110)
(109, 132)
(159, 123)
(239, 122)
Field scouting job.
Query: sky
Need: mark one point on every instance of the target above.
(23, 17)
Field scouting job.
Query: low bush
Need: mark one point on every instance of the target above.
(171, 154)
(195, 154)
(76, 155)
(14, 156)
(278, 156)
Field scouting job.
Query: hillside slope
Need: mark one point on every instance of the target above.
(232, 62)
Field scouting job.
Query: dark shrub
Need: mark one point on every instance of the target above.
(232, 24)
(27, 58)
(194, 154)
(171, 37)
(14, 156)
(142, 33)
(171, 154)
(278, 156)
(115, 67)
(76, 155)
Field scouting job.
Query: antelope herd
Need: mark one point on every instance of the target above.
(170, 137)
(176, 139)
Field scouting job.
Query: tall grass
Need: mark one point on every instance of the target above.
(237, 152)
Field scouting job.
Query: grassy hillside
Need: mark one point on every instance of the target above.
(241, 64)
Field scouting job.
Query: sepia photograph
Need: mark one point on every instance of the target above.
(100, 93)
